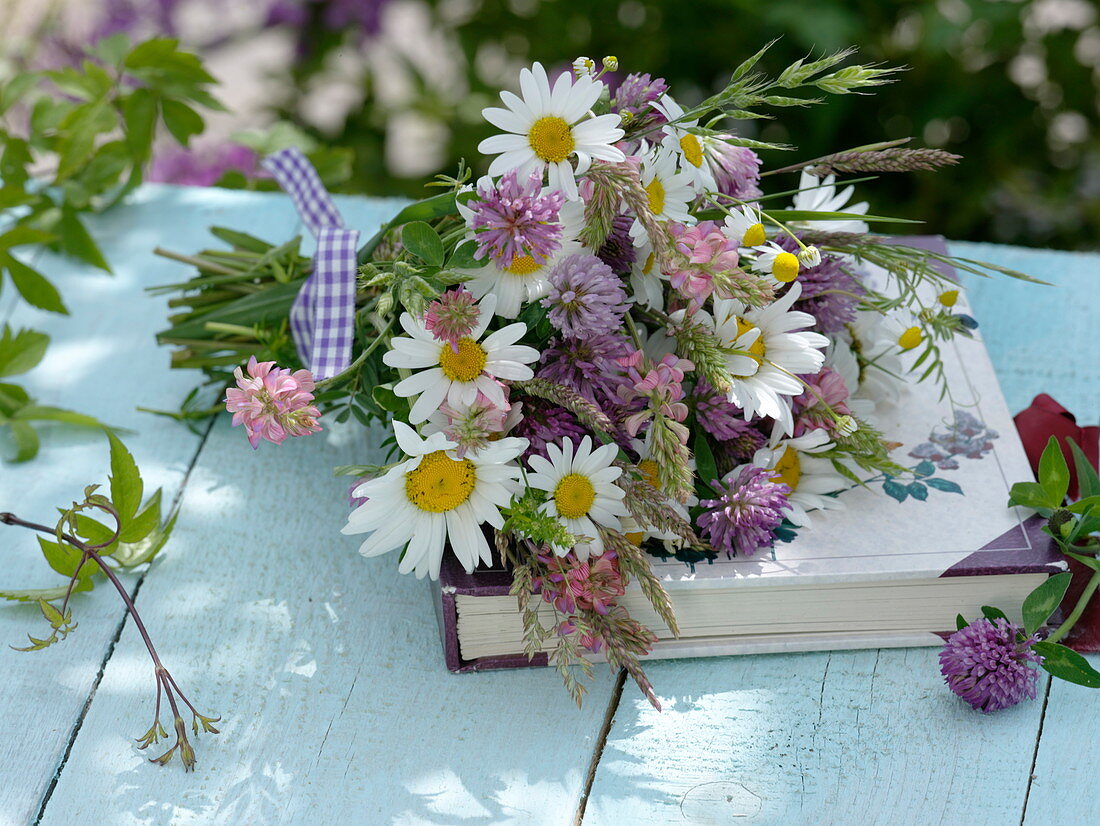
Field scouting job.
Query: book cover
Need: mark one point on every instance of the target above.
(951, 521)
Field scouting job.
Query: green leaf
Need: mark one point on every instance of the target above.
(1088, 481)
(26, 441)
(1087, 561)
(463, 257)
(991, 613)
(144, 522)
(917, 491)
(1054, 472)
(814, 215)
(22, 235)
(423, 242)
(706, 467)
(130, 554)
(65, 559)
(33, 286)
(434, 207)
(44, 413)
(182, 121)
(241, 240)
(1084, 505)
(960, 622)
(92, 530)
(139, 113)
(126, 485)
(21, 352)
(1043, 601)
(1031, 495)
(1066, 664)
(74, 240)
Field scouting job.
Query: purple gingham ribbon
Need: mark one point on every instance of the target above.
(322, 319)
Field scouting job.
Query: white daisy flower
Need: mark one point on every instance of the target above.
(434, 498)
(582, 488)
(820, 195)
(646, 277)
(746, 226)
(669, 192)
(524, 279)
(809, 477)
(771, 259)
(456, 377)
(778, 353)
(687, 146)
(545, 129)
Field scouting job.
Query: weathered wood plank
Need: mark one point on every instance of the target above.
(326, 666)
(101, 361)
(848, 737)
(1064, 786)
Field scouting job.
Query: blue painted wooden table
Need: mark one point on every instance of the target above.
(327, 669)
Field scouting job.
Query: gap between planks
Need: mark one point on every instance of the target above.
(176, 502)
(601, 741)
(1035, 753)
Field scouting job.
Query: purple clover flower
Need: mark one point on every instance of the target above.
(736, 170)
(988, 664)
(513, 220)
(544, 423)
(588, 366)
(586, 298)
(718, 416)
(633, 98)
(744, 518)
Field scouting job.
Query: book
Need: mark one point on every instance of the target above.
(892, 569)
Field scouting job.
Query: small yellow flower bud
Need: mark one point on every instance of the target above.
(610, 63)
(949, 298)
(910, 338)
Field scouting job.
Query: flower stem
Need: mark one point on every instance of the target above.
(1078, 609)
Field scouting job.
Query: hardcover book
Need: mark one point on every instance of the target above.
(885, 571)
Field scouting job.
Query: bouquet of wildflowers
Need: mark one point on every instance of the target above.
(612, 346)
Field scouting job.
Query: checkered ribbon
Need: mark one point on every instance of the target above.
(322, 319)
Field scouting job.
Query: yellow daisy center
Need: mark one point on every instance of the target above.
(785, 267)
(440, 483)
(466, 364)
(648, 268)
(788, 469)
(634, 537)
(574, 496)
(648, 469)
(754, 236)
(949, 298)
(693, 151)
(655, 192)
(910, 338)
(551, 139)
(523, 265)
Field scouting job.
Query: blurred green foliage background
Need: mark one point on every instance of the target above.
(1012, 85)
